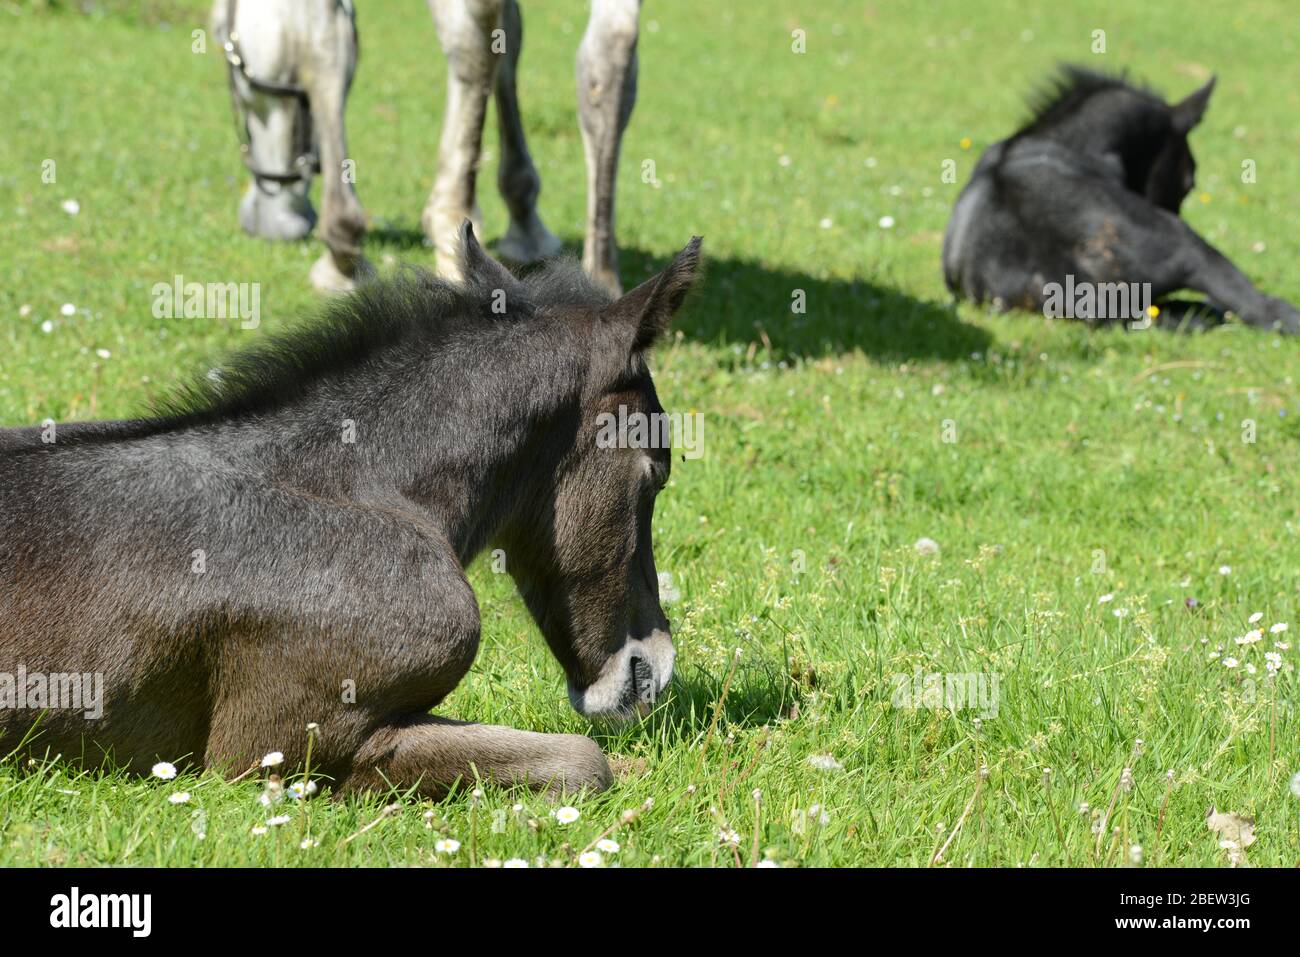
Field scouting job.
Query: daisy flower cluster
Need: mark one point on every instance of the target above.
(1242, 654)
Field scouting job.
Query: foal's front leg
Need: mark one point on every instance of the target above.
(465, 31)
(433, 754)
(1228, 287)
(607, 74)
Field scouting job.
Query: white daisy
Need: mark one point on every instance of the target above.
(278, 820)
(566, 814)
(447, 845)
(1255, 617)
(180, 797)
(515, 862)
(1230, 662)
(1278, 628)
(258, 830)
(607, 845)
(299, 789)
(590, 859)
(164, 770)
(273, 759)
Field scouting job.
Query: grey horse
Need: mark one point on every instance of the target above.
(292, 63)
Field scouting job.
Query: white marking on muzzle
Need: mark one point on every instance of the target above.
(609, 694)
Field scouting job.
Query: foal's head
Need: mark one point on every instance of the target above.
(1133, 127)
(580, 548)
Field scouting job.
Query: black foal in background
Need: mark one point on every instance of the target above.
(1088, 193)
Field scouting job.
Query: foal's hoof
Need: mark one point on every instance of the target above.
(581, 763)
(1281, 316)
(326, 276)
(528, 243)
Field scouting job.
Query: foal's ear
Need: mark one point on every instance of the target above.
(650, 306)
(477, 266)
(1189, 112)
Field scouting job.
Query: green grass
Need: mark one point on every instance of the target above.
(1085, 463)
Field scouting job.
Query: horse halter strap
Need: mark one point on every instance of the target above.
(307, 161)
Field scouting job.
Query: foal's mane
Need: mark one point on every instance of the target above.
(412, 309)
(1071, 87)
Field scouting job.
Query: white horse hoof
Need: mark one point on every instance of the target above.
(284, 216)
(442, 225)
(607, 279)
(326, 277)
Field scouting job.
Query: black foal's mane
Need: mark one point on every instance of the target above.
(1069, 89)
(413, 309)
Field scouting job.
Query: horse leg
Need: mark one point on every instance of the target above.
(342, 221)
(607, 73)
(272, 210)
(432, 754)
(465, 31)
(1163, 250)
(1227, 287)
(526, 239)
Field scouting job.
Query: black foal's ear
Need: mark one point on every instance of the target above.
(1189, 112)
(477, 267)
(650, 306)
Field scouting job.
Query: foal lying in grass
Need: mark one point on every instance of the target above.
(1085, 197)
(286, 542)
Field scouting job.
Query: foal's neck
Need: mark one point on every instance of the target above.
(458, 439)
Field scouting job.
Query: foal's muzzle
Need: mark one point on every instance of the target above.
(630, 681)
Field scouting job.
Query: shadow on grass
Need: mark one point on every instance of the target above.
(758, 697)
(742, 302)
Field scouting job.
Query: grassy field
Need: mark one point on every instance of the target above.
(1104, 527)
